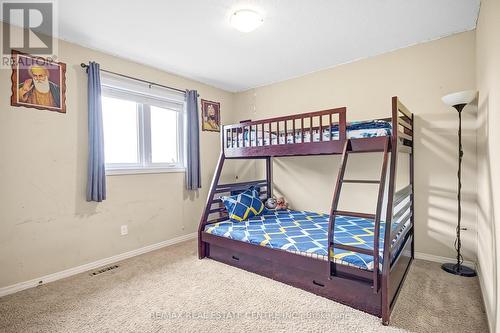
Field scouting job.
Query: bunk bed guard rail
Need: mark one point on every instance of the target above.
(320, 132)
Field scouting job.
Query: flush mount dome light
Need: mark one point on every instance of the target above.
(246, 20)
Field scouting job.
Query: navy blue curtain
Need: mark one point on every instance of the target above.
(96, 181)
(193, 172)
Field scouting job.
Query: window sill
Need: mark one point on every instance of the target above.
(118, 172)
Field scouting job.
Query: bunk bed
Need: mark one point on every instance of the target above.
(356, 258)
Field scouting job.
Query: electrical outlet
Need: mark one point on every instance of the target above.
(124, 230)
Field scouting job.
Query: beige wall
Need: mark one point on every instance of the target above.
(419, 75)
(45, 223)
(488, 171)
(47, 226)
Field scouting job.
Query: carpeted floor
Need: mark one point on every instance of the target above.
(170, 290)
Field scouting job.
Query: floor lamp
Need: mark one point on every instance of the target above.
(459, 100)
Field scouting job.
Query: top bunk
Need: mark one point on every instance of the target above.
(317, 133)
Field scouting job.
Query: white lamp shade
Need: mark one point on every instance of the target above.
(461, 97)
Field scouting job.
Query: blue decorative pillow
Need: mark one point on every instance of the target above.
(244, 205)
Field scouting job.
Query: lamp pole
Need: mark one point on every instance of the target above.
(458, 244)
(458, 268)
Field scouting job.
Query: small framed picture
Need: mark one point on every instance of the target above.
(38, 83)
(210, 116)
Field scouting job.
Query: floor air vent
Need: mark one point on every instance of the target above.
(104, 270)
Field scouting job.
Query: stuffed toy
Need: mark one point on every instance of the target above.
(281, 204)
(271, 203)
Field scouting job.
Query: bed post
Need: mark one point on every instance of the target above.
(412, 183)
(202, 247)
(204, 217)
(338, 188)
(269, 176)
(386, 265)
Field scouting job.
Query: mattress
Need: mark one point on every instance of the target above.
(306, 233)
(355, 130)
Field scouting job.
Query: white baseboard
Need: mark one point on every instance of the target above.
(91, 265)
(103, 262)
(441, 260)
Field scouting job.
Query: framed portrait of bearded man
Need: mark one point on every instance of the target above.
(38, 83)
(210, 116)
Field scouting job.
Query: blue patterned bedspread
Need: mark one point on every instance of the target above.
(305, 233)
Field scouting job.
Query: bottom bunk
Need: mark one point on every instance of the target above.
(350, 285)
(306, 233)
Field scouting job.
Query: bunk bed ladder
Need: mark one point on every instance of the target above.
(375, 217)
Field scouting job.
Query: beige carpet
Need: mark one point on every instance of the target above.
(170, 290)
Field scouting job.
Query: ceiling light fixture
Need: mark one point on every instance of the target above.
(246, 20)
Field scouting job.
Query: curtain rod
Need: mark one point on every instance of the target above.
(136, 79)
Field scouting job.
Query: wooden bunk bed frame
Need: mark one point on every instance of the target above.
(374, 291)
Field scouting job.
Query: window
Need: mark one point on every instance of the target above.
(143, 128)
